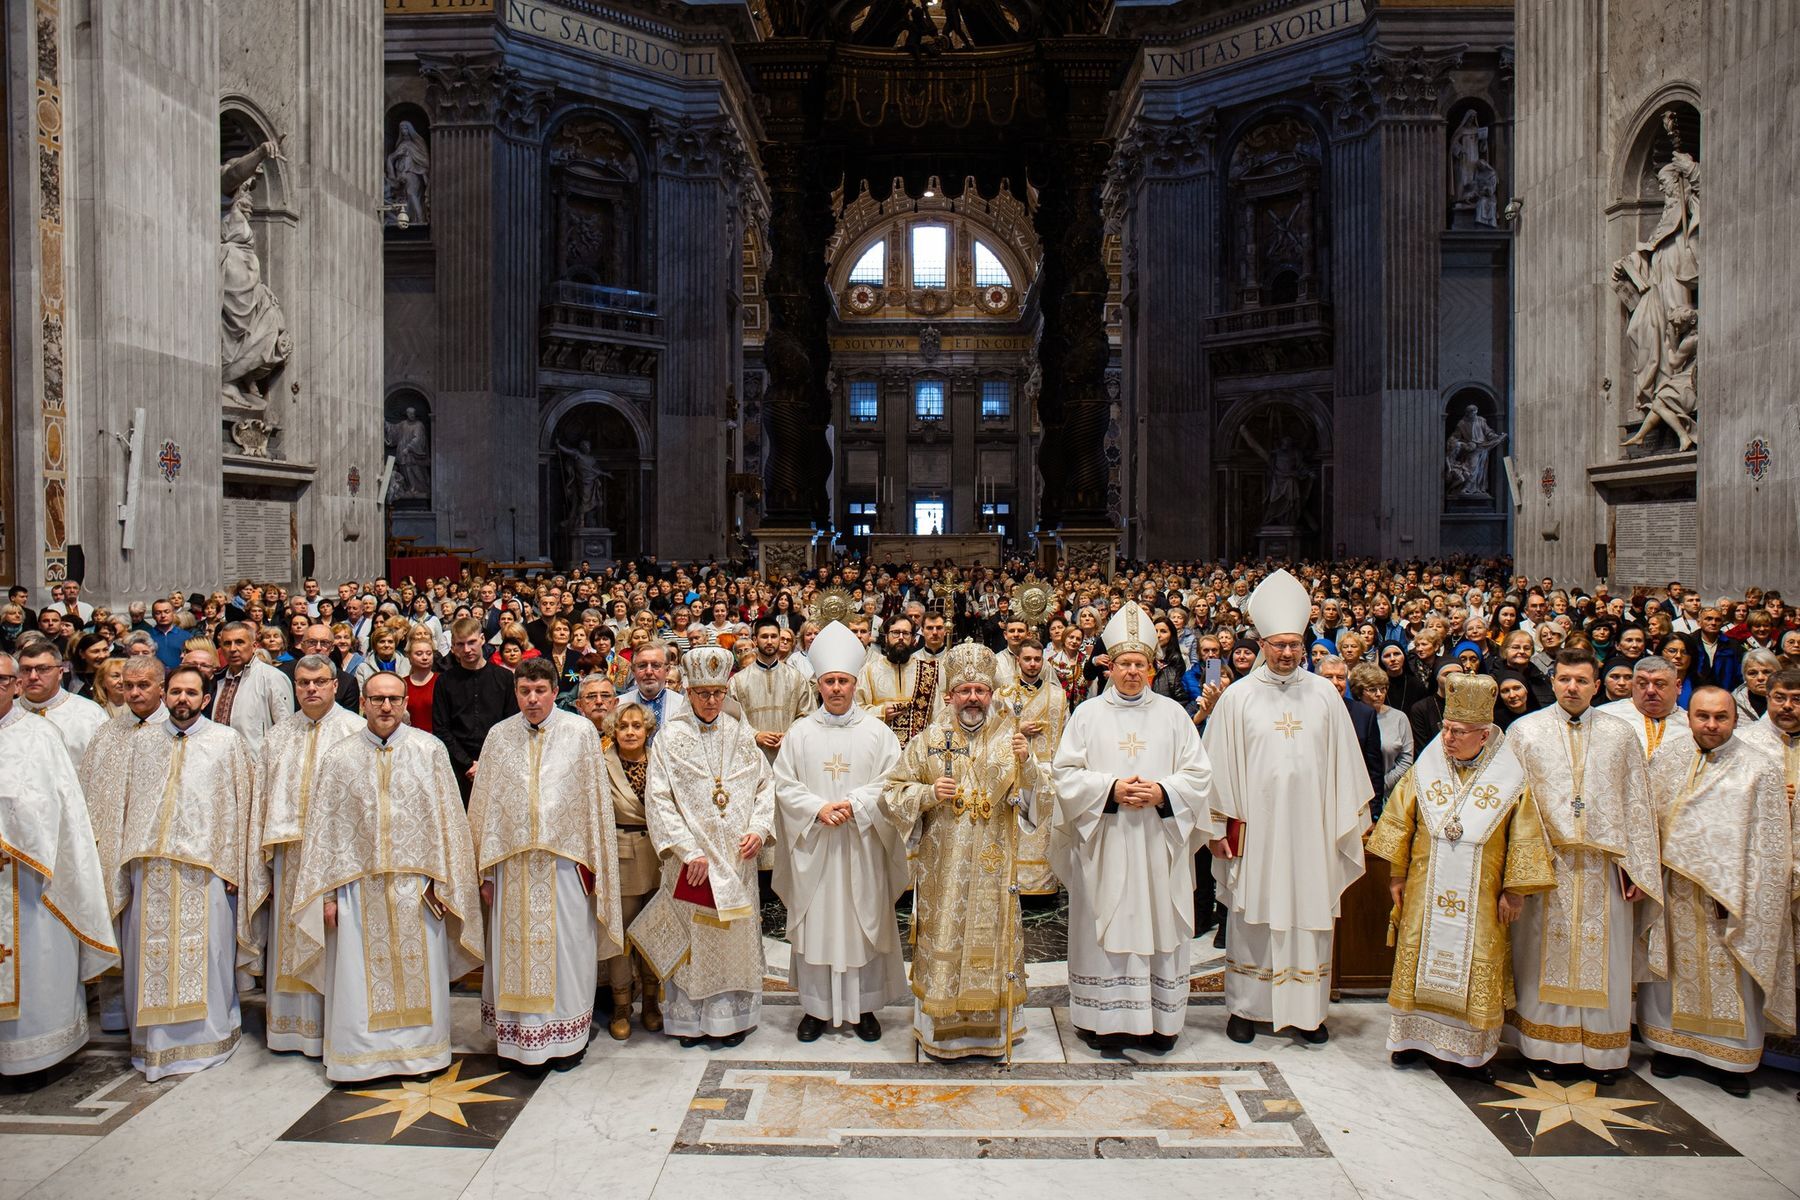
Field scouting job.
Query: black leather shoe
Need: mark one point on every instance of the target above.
(1157, 1043)
(1481, 1074)
(1664, 1066)
(810, 1029)
(1733, 1083)
(1604, 1077)
(1240, 1029)
(1219, 937)
(688, 1043)
(1315, 1037)
(735, 1039)
(1405, 1058)
(868, 1028)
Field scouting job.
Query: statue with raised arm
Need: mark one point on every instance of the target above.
(411, 447)
(584, 483)
(1659, 285)
(1467, 453)
(407, 175)
(254, 340)
(1289, 482)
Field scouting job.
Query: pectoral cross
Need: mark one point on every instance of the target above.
(1288, 726)
(1450, 905)
(1131, 745)
(836, 767)
(1578, 807)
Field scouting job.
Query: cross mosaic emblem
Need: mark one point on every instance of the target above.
(1132, 745)
(1547, 482)
(836, 767)
(1288, 726)
(354, 479)
(1450, 905)
(169, 461)
(1758, 457)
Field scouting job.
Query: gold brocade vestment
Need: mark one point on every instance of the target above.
(1048, 706)
(966, 925)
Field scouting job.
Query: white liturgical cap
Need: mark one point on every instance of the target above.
(707, 666)
(1130, 629)
(836, 649)
(1279, 605)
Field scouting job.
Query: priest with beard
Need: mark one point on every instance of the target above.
(899, 687)
(1133, 807)
(967, 783)
(839, 865)
(1292, 788)
(55, 930)
(547, 850)
(174, 885)
(1467, 847)
(291, 753)
(711, 808)
(386, 911)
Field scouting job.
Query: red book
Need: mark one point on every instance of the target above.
(1234, 836)
(700, 893)
(587, 879)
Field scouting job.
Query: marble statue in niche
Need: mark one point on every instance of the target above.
(584, 484)
(409, 441)
(1659, 285)
(1474, 183)
(254, 342)
(1468, 453)
(1289, 482)
(407, 176)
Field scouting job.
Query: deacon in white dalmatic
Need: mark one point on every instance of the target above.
(55, 931)
(1290, 781)
(1133, 807)
(839, 864)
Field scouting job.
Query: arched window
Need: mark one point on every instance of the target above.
(872, 266)
(930, 255)
(989, 270)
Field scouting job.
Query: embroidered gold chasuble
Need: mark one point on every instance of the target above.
(1593, 796)
(772, 698)
(186, 810)
(541, 795)
(104, 771)
(389, 814)
(966, 927)
(1515, 857)
(286, 777)
(1048, 706)
(1727, 847)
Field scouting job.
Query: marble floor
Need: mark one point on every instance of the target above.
(773, 1117)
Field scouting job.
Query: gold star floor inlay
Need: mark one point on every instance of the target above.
(1557, 1105)
(442, 1096)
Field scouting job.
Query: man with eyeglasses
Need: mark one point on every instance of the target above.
(650, 669)
(55, 929)
(316, 639)
(76, 718)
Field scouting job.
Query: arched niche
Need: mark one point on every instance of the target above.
(406, 169)
(409, 438)
(599, 218)
(1274, 473)
(1274, 223)
(618, 440)
(1471, 171)
(1475, 437)
(242, 128)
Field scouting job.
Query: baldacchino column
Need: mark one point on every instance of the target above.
(839, 864)
(1290, 783)
(1133, 806)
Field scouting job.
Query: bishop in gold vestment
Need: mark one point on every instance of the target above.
(968, 782)
(1467, 845)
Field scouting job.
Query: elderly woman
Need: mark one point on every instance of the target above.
(1682, 652)
(628, 770)
(109, 687)
(1369, 683)
(1788, 648)
(1752, 695)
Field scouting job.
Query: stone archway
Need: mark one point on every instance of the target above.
(594, 459)
(1274, 475)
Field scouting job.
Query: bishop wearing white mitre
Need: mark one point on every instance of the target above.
(1285, 764)
(1133, 807)
(839, 864)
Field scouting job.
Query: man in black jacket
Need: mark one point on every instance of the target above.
(317, 640)
(472, 696)
(1362, 718)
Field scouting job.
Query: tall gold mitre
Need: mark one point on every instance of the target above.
(968, 662)
(1471, 699)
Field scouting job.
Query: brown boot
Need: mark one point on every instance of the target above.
(620, 1026)
(652, 1019)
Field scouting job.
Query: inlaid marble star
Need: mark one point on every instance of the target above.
(836, 767)
(443, 1096)
(1557, 1106)
(1131, 745)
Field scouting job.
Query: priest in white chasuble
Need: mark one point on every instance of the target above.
(1728, 891)
(839, 865)
(1042, 712)
(772, 694)
(711, 809)
(1572, 946)
(1133, 799)
(287, 772)
(548, 853)
(1650, 710)
(173, 889)
(899, 687)
(56, 931)
(1467, 847)
(1290, 782)
(968, 782)
(387, 912)
(42, 694)
(103, 771)
(1778, 734)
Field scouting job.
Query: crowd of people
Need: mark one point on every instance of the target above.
(581, 781)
